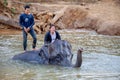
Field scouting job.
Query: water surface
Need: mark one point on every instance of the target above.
(101, 58)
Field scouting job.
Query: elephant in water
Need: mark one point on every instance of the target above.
(56, 53)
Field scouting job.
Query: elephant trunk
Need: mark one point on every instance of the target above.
(79, 58)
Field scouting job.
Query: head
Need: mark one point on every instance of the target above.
(27, 9)
(52, 28)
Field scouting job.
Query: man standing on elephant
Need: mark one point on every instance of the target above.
(51, 35)
(26, 21)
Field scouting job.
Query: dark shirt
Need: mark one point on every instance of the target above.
(26, 20)
(48, 38)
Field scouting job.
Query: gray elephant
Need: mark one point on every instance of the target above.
(56, 53)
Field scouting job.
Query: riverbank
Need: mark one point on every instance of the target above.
(100, 16)
(9, 32)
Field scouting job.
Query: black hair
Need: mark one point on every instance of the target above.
(26, 6)
(51, 26)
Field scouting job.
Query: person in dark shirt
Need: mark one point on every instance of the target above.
(26, 21)
(51, 35)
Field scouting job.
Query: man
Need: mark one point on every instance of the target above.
(26, 21)
(51, 35)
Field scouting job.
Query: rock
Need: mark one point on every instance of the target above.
(11, 22)
(109, 28)
(72, 16)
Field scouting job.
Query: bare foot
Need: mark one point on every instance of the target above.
(34, 48)
(24, 51)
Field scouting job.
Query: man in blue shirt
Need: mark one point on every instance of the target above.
(26, 21)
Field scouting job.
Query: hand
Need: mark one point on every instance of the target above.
(28, 29)
(25, 29)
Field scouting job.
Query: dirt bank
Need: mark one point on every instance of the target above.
(103, 16)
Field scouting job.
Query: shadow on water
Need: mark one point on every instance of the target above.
(101, 57)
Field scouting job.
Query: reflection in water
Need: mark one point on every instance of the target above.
(101, 58)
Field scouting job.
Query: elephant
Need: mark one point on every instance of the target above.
(56, 53)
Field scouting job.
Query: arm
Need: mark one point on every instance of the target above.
(46, 38)
(58, 36)
(32, 21)
(21, 21)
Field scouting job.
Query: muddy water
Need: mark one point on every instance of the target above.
(101, 58)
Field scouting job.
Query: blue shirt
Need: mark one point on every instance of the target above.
(26, 20)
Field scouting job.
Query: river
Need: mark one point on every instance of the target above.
(101, 58)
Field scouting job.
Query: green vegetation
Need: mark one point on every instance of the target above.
(13, 10)
(5, 2)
